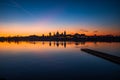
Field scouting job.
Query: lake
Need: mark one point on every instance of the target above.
(43, 60)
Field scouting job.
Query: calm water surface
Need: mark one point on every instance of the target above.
(57, 61)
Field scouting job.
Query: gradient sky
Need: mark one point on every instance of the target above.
(26, 17)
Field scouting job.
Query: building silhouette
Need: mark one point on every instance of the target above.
(62, 37)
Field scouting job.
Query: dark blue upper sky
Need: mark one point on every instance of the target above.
(96, 12)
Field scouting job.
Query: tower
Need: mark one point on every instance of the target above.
(50, 34)
(64, 33)
(57, 33)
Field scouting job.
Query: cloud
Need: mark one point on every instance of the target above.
(21, 7)
(95, 31)
(83, 30)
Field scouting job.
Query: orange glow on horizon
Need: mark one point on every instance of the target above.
(6, 34)
(39, 29)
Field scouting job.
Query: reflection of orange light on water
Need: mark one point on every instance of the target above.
(40, 47)
(22, 46)
(34, 46)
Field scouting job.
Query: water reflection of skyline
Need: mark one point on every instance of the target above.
(38, 46)
(49, 43)
(52, 43)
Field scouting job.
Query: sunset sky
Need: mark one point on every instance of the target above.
(27, 17)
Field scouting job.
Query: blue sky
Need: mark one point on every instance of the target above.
(61, 12)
